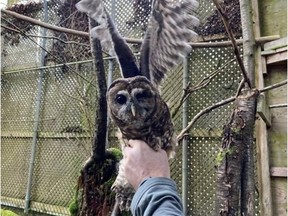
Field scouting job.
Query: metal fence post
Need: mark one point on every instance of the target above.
(110, 69)
(37, 115)
(185, 141)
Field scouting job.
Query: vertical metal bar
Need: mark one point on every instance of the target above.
(110, 68)
(111, 52)
(37, 115)
(185, 141)
(113, 10)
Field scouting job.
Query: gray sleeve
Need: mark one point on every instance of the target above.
(157, 196)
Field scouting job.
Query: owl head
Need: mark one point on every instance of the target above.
(133, 101)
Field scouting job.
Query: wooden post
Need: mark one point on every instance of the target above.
(261, 129)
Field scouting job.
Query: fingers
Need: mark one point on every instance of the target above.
(139, 145)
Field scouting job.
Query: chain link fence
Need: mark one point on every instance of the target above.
(65, 85)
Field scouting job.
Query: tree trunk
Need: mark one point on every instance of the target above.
(248, 180)
(99, 172)
(238, 132)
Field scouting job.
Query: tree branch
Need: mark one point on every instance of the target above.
(202, 112)
(202, 84)
(31, 39)
(99, 145)
(276, 85)
(45, 25)
(234, 45)
(185, 131)
(48, 37)
(131, 40)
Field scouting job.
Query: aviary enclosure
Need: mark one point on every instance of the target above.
(227, 99)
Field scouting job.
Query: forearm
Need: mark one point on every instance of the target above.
(157, 196)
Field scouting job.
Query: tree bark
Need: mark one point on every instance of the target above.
(237, 133)
(248, 180)
(99, 172)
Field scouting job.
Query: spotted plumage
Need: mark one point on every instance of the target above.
(137, 108)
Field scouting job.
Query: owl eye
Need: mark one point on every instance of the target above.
(142, 95)
(121, 99)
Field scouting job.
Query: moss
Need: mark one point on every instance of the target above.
(236, 130)
(74, 204)
(7, 213)
(116, 153)
(74, 208)
(102, 175)
(222, 154)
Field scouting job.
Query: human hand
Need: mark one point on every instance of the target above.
(140, 162)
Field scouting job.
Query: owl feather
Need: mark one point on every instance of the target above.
(109, 37)
(167, 38)
(165, 43)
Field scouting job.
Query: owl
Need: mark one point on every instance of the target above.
(136, 107)
(134, 101)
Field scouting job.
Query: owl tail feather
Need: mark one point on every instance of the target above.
(109, 37)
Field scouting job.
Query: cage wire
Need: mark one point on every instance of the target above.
(68, 104)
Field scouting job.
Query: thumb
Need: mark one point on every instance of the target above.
(134, 143)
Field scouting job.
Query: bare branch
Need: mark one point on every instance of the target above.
(202, 84)
(31, 39)
(48, 37)
(276, 85)
(234, 45)
(184, 132)
(202, 112)
(45, 25)
(240, 87)
(132, 40)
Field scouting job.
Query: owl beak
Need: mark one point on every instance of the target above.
(133, 110)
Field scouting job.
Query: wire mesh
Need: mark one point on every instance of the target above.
(68, 104)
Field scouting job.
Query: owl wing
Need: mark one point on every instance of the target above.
(167, 37)
(109, 37)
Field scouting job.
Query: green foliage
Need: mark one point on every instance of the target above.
(7, 213)
(222, 154)
(74, 205)
(103, 176)
(74, 208)
(113, 156)
(116, 153)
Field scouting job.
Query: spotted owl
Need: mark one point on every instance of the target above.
(136, 107)
(134, 101)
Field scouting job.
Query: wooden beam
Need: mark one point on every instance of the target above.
(276, 44)
(263, 65)
(263, 110)
(270, 52)
(263, 170)
(277, 58)
(278, 171)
